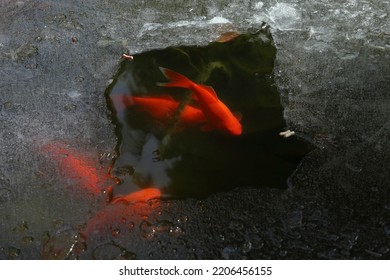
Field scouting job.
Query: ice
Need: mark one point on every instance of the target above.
(259, 5)
(218, 20)
(332, 72)
(284, 16)
(74, 94)
(149, 27)
(154, 27)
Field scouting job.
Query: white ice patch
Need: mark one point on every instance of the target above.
(285, 17)
(74, 94)
(149, 27)
(199, 22)
(4, 40)
(319, 39)
(218, 20)
(259, 5)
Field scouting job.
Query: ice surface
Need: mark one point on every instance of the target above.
(284, 16)
(332, 71)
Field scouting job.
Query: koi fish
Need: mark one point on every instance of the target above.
(76, 167)
(139, 196)
(217, 113)
(122, 213)
(227, 37)
(162, 108)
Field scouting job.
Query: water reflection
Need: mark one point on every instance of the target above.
(186, 161)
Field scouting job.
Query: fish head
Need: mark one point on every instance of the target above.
(236, 130)
(233, 128)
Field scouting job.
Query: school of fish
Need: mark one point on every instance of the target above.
(211, 113)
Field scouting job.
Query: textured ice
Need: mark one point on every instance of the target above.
(285, 17)
(332, 72)
(258, 5)
(157, 28)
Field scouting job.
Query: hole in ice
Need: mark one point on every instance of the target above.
(176, 140)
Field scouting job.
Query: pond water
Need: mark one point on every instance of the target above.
(182, 159)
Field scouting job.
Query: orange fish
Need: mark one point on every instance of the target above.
(116, 218)
(139, 196)
(217, 113)
(162, 108)
(76, 167)
(227, 37)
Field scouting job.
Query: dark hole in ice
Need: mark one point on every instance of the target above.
(188, 161)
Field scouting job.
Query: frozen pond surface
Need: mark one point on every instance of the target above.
(332, 70)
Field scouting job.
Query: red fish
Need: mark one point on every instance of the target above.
(118, 218)
(123, 213)
(139, 196)
(161, 108)
(217, 113)
(227, 37)
(77, 167)
(120, 215)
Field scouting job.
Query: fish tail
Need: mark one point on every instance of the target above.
(122, 101)
(128, 100)
(176, 79)
(124, 98)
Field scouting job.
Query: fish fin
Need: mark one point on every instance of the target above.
(210, 90)
(195, 97)
(166, 97)
(207, 127)
(195, 116)
(227, 37)
(118, 199)
(237, 115)
(121, 101)
(200, 117)
(128, 100)
(176, 79)
(139, 196)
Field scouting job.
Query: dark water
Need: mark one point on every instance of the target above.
(190, 162)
